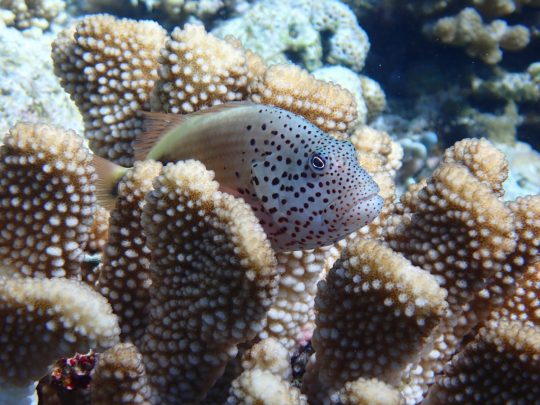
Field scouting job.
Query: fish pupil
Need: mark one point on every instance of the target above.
(317, 162)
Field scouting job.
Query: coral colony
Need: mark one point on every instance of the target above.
(177, 295)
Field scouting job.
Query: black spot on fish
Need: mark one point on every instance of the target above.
(248, 127)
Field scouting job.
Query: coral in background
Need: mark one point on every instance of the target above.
(32, 13)
(29, 90)
(484, 41)
(273, 28)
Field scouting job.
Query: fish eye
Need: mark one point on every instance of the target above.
(318, 163)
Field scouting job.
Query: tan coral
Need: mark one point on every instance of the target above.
(109, 67)
(124, 276)
(483, 160)
(291, 318)
(213, 279)
(369, 392)
(376, 150)
(262, 387)
(32, 13)
(326, 105)
(501, 365)
(44, 319)
(270, 355)
(198, 70)
(375, 312)
(120, 378)
(481, 40)
(47, 200)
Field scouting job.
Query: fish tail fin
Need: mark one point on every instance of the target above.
(154, 126)
(109, 175)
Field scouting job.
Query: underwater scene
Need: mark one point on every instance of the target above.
(269, 202)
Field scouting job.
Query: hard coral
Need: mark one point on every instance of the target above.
(109, 67)
(484, 41)
(375, 312)
(287, 86)
(44, 319)
(198, 70)
(32, 13)
(124, 277)
(213, 279)
(47, 201)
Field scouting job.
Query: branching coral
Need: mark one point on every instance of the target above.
(31, 13)
(42, 320)
(109, 67)
(47, 201)
(198, 70)
(213, 279)
(120, 377)
(502, 365)
(287, 86)
(266, 377)
(484, 41)
(375, 312)
(124, 274)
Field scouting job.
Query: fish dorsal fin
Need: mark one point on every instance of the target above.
(157, 124)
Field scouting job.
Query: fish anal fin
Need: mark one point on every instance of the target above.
(155, 126)
(108, 176)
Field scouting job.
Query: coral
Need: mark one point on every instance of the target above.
(500, 127)
(198, 70)
(213, 279)
(375, 312)
(275, 29)
(328, 106)
(501, 365)
(120, 377)
(374, 96)
(291, 317)
(481, 40)
(109, 67)
(43, 319)
(524, 174)
(261, 386)
(30, 91)
(349, 80)
(32, 13)
(124, 274)
(47, 201)
(518, 87)
(369, 392)
(266, 377)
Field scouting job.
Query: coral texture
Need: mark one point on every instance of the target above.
(213, 279)
(120, 378)
(124, 274)
(109, 67)
(481, 40)
(32, 13)
(47, 201)
(198, 70)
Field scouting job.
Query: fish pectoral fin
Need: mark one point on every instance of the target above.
(264, 189)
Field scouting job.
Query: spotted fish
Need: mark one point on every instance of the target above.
(306, 187)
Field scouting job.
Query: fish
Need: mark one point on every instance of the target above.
(306, 187)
